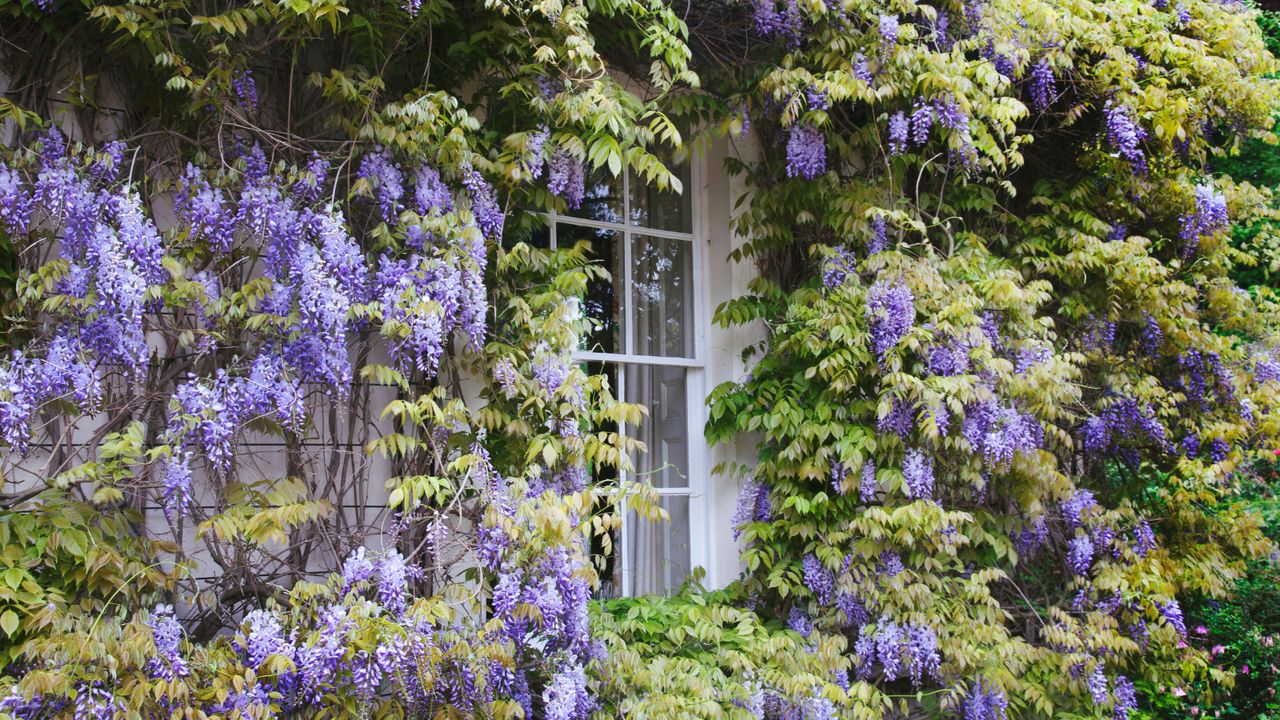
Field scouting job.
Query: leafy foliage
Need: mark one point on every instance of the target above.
(1007, 402)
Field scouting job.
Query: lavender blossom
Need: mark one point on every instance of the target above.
(785, 24)
(1001, 432)
(891, 564)
(838, 474)
(817, 99)
(319, 352)
(867, 487)
(986, 701)
(1152, 336)
(1080, 555)
(166, 633)
(393, 581)
(838, 268)
(949, 358)
(890, 313)
(94, 702)
(753, 506)
(566, 178)
(900, 420)
(1098, 685)
(177, 486)
(1031, 537)
(819, 579)
(1043, 88)
(921, 122)
(899, 132)
(484, 204)
(888, 28)
(1075, 507)
(806, 152)
(1219, 449)
(430, 192)
(357, 568)
(532, 158)
(15, 202)
(566, 696)
(106, 164)
(1206, 219)
(264, 637)
(387, 180)
(311, 183)
(1125, 135)
(917, 472)
(879, 240)
(245, 90)
(1124, 697)
(204, 208)
(860, 69)
(1144, 538)
(798, 621)
(922, 647)
(1171, 611)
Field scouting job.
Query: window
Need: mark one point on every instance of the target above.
(649, 343)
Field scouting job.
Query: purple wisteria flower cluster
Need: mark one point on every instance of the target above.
(310, 655)
(785, 22)
(1043, 85)
(1000, 432)
(806, 152)
(985, 701)
(1123, 422)
(917, 474)
(754, 505)
(898, 650)
(1208, 218)
(890, 313)
(912, 130)
(838, 268)
(207, 414)
(1125, 135)
(313, 288)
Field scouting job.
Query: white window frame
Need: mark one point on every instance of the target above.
(696, 367)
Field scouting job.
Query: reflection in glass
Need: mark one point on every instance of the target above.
(603, 197)
(539, 237)
(658, 553)
(603, 301)
(662, 209)
(662, 296)
(664, 462)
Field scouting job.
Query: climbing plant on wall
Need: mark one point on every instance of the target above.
(1007, 400)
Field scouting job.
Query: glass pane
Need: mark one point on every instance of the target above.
(602, 199)
(527, 227)
(658, 552)
(664, 462)
(662, 296)
(663, 209)
(539, 237)
(603, 303)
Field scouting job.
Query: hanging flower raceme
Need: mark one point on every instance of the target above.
(1043, 85)
(1208, 218)
(566, 179)
(891, 314)
(806, 152)
(205, 210)
(386, 177)
(1125, 135)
